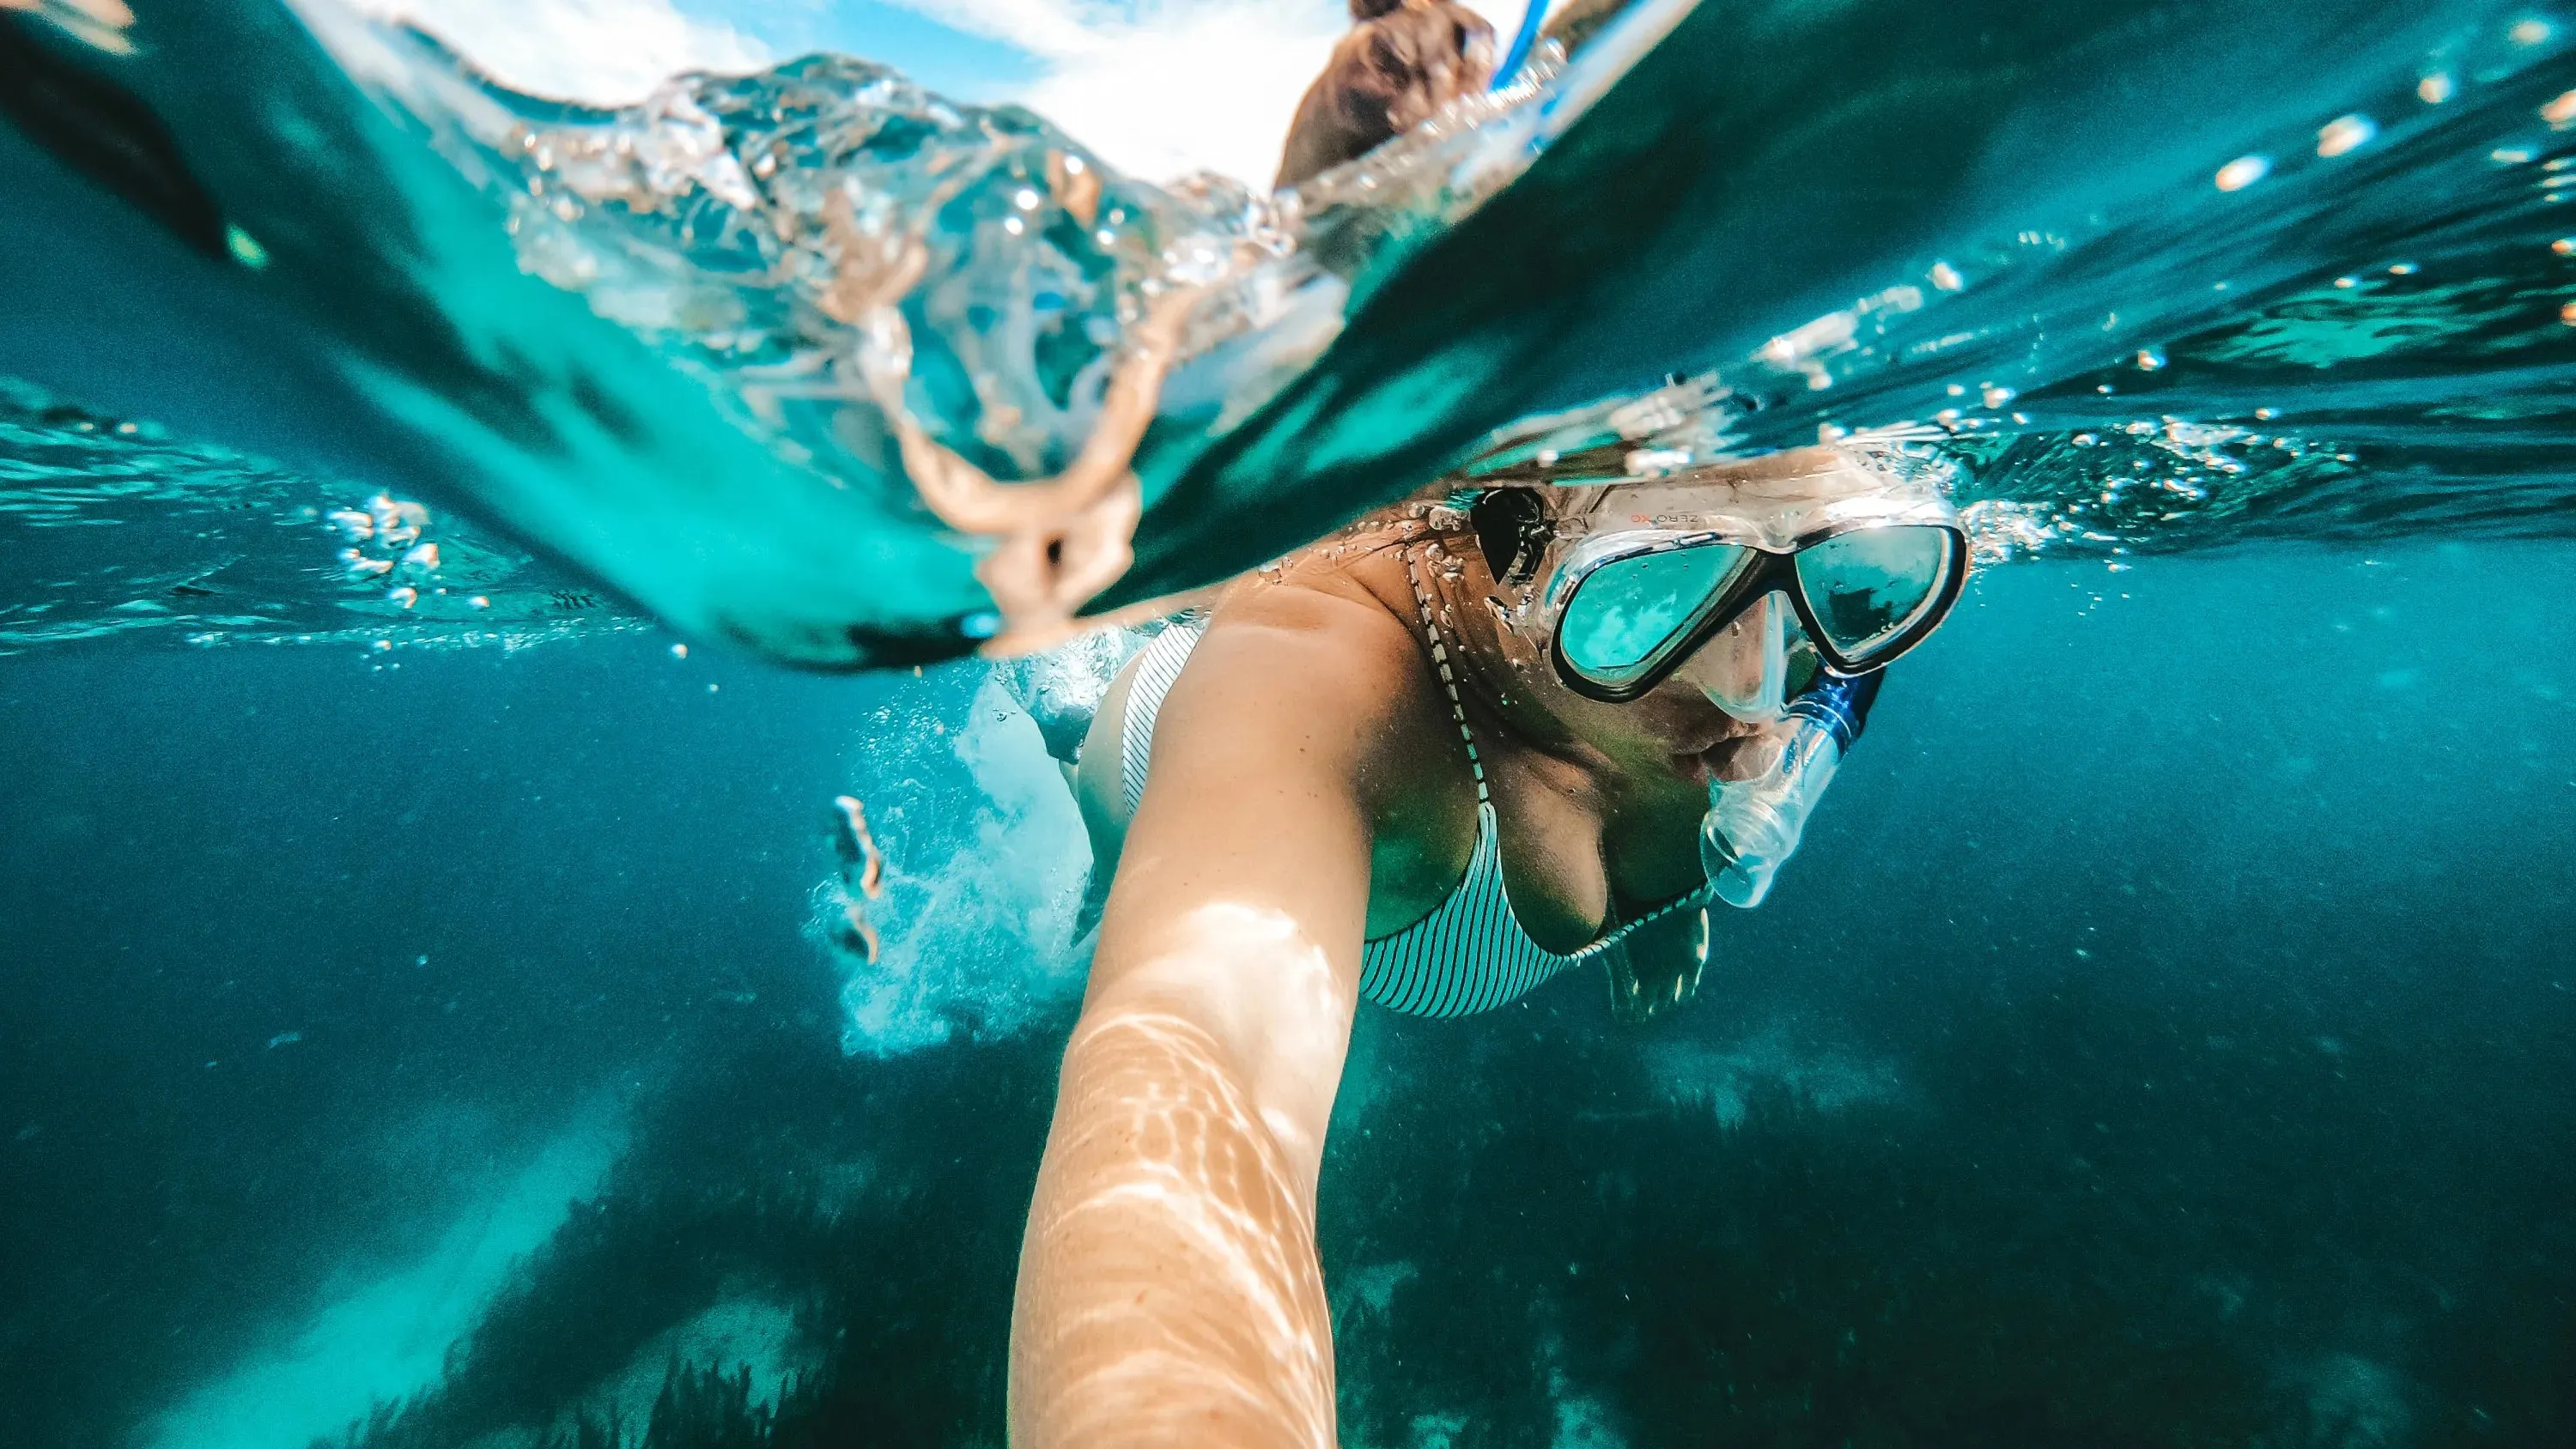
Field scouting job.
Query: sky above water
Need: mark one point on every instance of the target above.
(1159, 87)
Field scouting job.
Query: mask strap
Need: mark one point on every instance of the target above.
(1513, 531)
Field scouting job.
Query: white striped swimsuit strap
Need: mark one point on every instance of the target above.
(1470, 954)
(1157, 666)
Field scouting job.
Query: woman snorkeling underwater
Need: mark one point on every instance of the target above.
(1393, 769)
(1433, 761)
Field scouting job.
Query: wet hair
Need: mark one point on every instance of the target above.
(1512, 527)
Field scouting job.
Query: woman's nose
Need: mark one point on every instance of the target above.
(1744, 668)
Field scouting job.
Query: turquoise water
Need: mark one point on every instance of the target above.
(2001, 235)
(2164, 1038)
(433, 1032)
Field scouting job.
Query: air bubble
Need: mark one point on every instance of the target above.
(245, 248)
(2345, 134)
(2242, 172)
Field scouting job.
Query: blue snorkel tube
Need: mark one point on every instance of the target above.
(1516, 57)
(1753, 826)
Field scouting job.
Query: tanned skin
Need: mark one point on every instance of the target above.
(1308, 792)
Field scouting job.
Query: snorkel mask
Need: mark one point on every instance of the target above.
(1631, 584)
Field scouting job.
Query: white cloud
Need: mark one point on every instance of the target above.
(1052, 28)
(1161, 87)
(1158, 87)
(601, 52)
(1214, 89)
(1165, 86)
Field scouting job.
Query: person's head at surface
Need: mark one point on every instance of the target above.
(1402, 61)
(1657, 630)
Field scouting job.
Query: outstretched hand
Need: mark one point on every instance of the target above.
(1403, 60)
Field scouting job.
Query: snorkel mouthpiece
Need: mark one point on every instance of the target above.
(1753, 826)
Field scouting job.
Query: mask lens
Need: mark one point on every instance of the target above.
(1625, 617)
(1866, 589)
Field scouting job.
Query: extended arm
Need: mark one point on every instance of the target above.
(1169, 1292)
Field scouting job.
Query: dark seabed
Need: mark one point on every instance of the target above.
(2167, 1038)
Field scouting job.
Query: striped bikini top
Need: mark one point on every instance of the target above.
(1470, 954)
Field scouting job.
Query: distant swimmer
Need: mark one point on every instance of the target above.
(1467, 745)
(862, 878)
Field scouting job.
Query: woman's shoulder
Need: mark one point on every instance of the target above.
(1322, 611)
(1351, 582)
(1329, 636)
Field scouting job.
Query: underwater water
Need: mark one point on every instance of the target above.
(2167, 1037)
(426, 1016)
